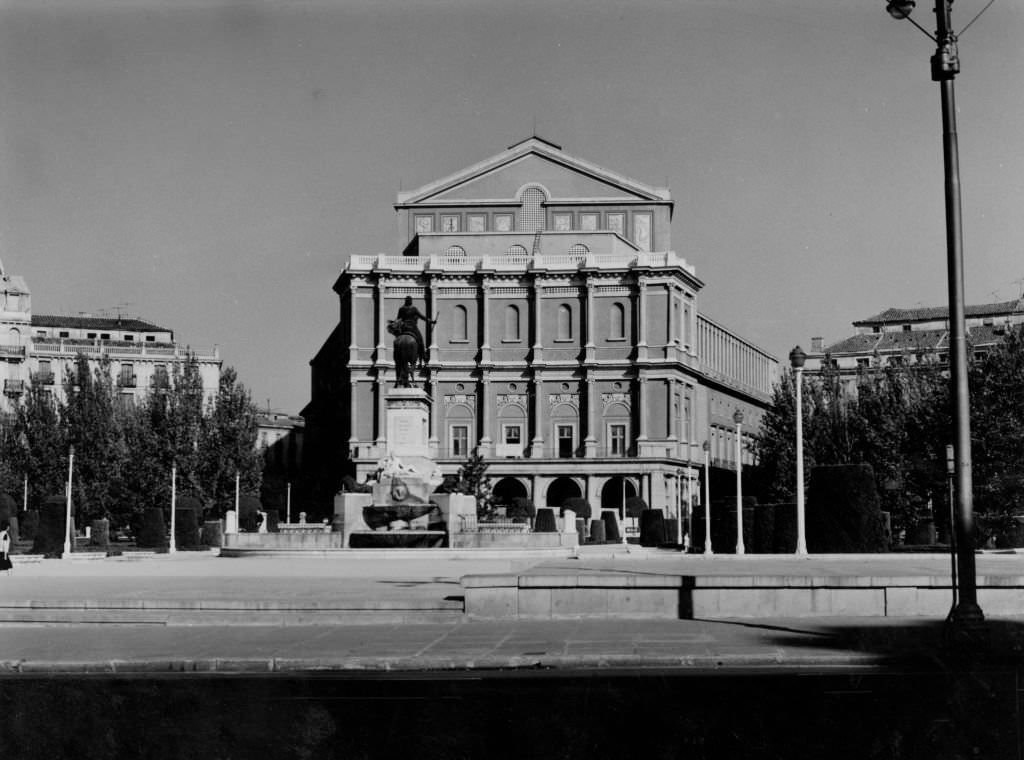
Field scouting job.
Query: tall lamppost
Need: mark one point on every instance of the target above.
(737, 417)
(707, 498)
(945, 65)
(67, 512)
(172, 546)
(796, 361)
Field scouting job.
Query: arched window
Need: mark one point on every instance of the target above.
(579, 252)
(531, 219)
(455, 252)
(564, 322)
(617, 328)
(460, 321)
(511, 323)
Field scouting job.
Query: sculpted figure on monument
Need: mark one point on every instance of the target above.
(409, 350)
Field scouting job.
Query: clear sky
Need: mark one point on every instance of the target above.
(209, 166)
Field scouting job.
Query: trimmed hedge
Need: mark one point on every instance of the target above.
(597, 534)
(635, 506)
(52, 528)
(99, 533)
(843, 513)
(545, 522)
(577, 504)
(652, 527)
(611, 526)
(29, 524)
(212, 533)
(186, 527)
(273, 519)
(152, 533)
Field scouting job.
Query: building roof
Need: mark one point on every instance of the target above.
(929, 313)
(911, 341)
(96, 323)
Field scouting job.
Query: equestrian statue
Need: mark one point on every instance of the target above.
(409, 351)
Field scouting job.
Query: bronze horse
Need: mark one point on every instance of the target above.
(406, 355)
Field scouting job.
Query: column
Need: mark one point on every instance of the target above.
(484, 415)
(538, 340)
(641, 321)
(432, 313)
(589, 347)
(537, 444)
(380, 382)
(353, 419)
(433, 441)
(485, 321)
(641, 415)
(353, 310)
(383, 357)
(590, 442)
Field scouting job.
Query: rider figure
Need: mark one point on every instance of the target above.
(408, 315)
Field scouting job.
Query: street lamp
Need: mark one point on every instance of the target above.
(67, 514)
(796, 361)
(737, 417)
(707, 499)
(945, 65)
(172, 547)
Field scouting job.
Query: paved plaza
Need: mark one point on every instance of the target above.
(193, 612)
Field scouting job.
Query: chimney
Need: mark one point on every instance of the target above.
(816, 345)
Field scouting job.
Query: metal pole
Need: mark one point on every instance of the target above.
(801, 538)
(172, 547)
(739, 491)
(67, 516)
(679, 510)
(238, 515)
(24, 497)
(945, 65)
(288, 512)
(707, 502)
(951, 477)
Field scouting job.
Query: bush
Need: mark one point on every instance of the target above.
(248, 506)
(152, 532)
(843, 512)
(29, 524)
(545, 522)
(51, 531)
(764, 529)
(212, 533)
(186, 527)
(523, 507)
(8, 507)
(272, 521)
(611, 526)
(635, 506)
(783, 528)
(99, 533)
(597, 534)
(577, 504)
(652, 527)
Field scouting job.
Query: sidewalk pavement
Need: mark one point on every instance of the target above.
(426, 630)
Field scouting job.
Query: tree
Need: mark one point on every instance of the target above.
(35, 444)
(227, 443)
(473, 481)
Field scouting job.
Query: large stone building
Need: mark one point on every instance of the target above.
(568, 348)
(38, 349)
(904, 337)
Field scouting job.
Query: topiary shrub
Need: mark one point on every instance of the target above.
(273, 520)
(635, 506)
(8, 508)
(784, 528)
(51, 531)
(652, 527)
(29, 524)
(186, 527)
(545, 522)
(597, 534)
(522, 507)
(577, 504)
(248, 506)
(843, 512)
(152, 533)
(764, 529)
(611, 526)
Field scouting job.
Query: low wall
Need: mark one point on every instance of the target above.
(708, 597)
(291, 540)
(514, 540)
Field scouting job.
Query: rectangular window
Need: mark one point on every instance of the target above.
(617, 440)
(503, 222)
(565, 435)
(424, 224)
(150, 338)
(563, 222)
(104, 336)
(64, 334)
(127, 377)
(129, 337)
(449, 223)
(863, 363)
(476, 223)
(588, 222)
(617, 223)
(460, 440)
(513, 434)
(91, 336)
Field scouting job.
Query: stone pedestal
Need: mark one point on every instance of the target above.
(407, 417)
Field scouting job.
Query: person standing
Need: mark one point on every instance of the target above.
(5, 547)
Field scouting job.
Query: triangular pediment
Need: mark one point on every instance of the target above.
(533, 162)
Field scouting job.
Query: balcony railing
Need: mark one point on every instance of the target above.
(118, 348)
(10, 351)
(499, 261)
(127, 381)
(43, 377)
